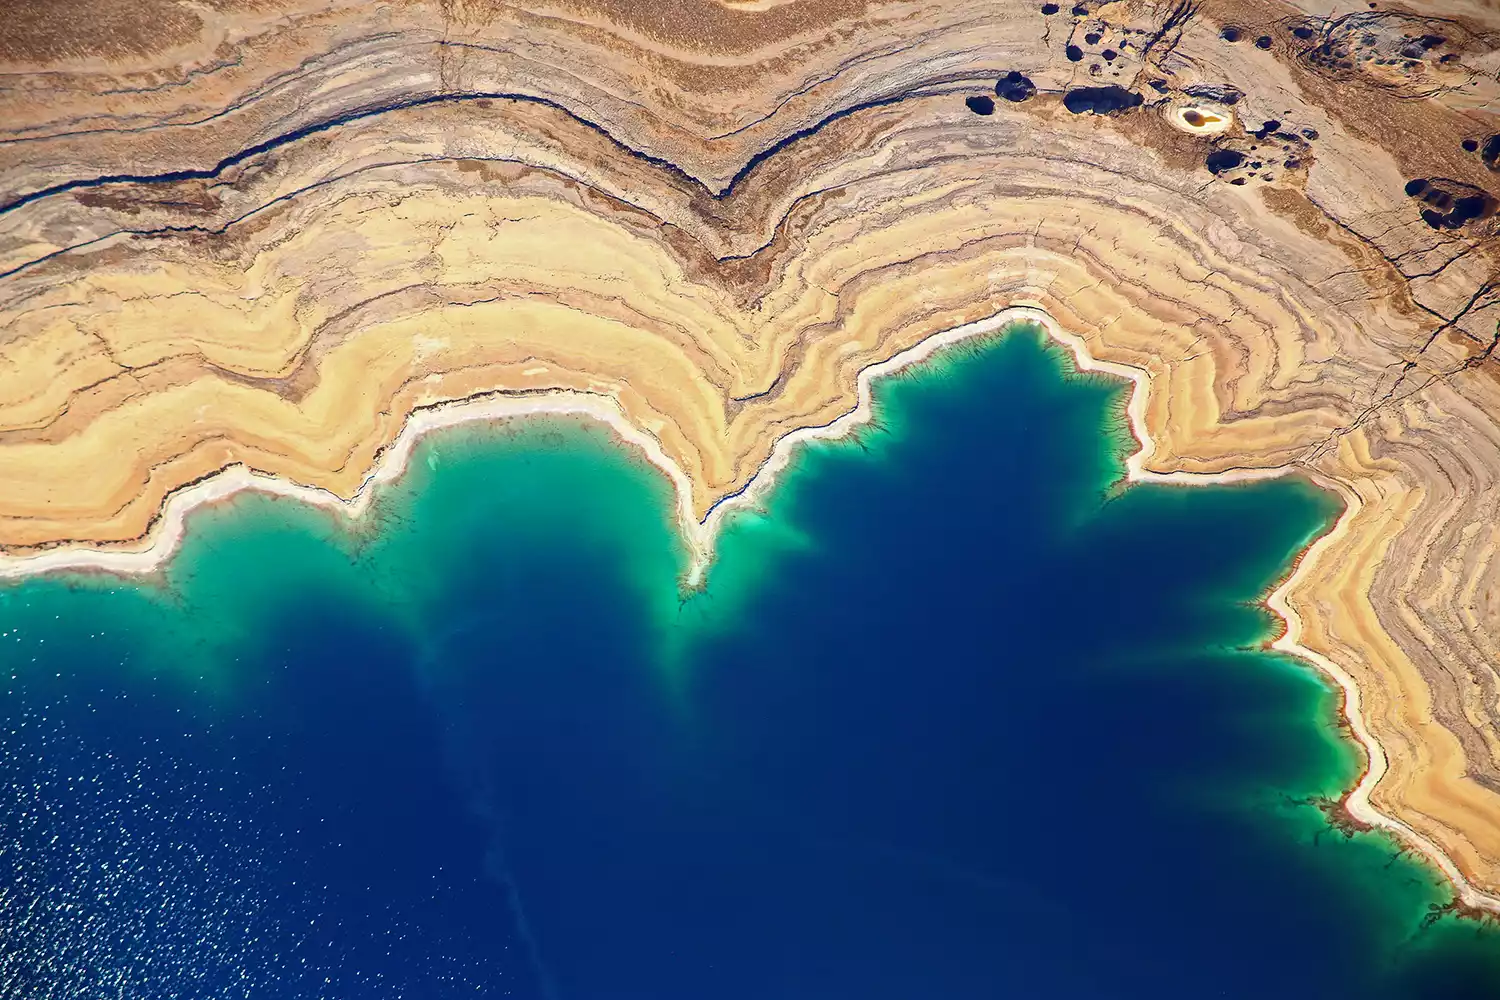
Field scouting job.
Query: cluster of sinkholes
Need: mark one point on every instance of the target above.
(1393, 49)
(1107, 51)
(1449, 204)
(1014, 86)
(1272, 150)
(1106, 98)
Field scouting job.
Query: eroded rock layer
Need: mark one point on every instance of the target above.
(264, 231)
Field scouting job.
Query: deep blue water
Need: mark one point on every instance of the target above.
(956, 716)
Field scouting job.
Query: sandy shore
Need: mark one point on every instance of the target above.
(699, 535)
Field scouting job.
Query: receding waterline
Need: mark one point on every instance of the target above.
(166, 533)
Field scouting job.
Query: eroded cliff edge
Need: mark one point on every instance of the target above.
(264, 231)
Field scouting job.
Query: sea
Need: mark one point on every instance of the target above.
(957, 713)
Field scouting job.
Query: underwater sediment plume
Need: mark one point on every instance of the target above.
(265, 242)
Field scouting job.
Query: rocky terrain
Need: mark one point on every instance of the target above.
(263, 233)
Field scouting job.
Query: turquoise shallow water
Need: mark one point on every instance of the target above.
(955, 716)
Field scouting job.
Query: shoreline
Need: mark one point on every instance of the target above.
(165, 534)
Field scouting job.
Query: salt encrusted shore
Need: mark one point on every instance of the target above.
(169, 528)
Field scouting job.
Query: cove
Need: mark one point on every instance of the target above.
(955, 715)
